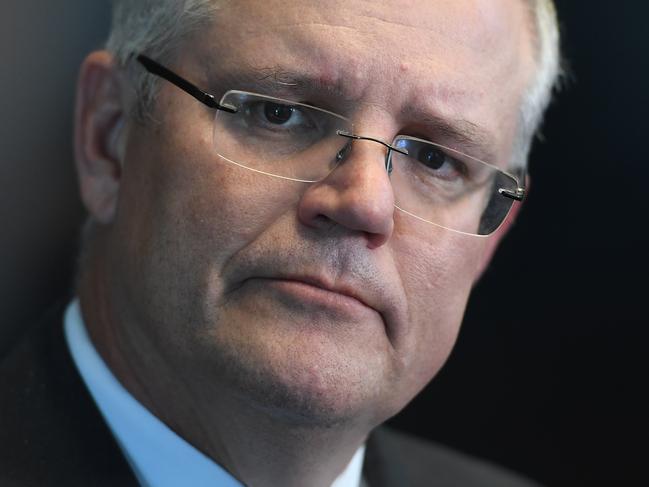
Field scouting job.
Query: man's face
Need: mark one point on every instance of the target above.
(317, 300)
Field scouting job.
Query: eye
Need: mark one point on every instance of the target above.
(432, 156)
(441, 164)
(289, 126)
(279, 117)
(432, 162)
(278, 114)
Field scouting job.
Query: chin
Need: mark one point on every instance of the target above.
(302, 406)
(310, 379)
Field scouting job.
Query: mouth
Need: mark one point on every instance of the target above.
(350, 298)
(311, 293)
(313, 290)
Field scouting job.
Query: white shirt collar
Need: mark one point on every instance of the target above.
(157, 455)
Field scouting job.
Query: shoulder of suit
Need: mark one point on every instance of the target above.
(418, 462)
(51, 433)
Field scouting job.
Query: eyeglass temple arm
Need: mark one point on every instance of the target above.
(159, 70)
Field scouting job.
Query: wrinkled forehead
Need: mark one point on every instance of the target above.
(469, 59)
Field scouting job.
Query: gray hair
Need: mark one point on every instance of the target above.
(538, 96)
(157, 27)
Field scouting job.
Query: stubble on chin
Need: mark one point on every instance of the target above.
(307, 379)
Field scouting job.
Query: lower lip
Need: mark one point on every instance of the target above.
(305, 293)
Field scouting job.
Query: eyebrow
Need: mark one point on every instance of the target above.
(470, 137)
(274, 78)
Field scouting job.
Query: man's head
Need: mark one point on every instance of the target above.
(318, 303)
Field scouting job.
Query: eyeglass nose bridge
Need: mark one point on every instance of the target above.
(390, 147)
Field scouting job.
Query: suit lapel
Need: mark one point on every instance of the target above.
(51, 432)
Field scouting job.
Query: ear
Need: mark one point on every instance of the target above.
(494, 239)
(99, 137)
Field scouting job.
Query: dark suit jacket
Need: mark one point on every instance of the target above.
(51, 433)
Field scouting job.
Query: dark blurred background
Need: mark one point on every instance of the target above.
(550, 369)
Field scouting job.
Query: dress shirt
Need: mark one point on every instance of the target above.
(157, 455)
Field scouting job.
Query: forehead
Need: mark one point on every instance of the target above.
(462, 59)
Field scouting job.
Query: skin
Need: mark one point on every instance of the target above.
(274, 324)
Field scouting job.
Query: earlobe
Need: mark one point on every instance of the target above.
(99, 135)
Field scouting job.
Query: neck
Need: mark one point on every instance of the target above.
(261, 449)
(258, 446)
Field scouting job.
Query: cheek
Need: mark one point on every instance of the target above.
(438, 269)
(193, 198)
(183, 213)
(223, 209)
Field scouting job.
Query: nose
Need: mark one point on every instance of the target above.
(356, 195)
